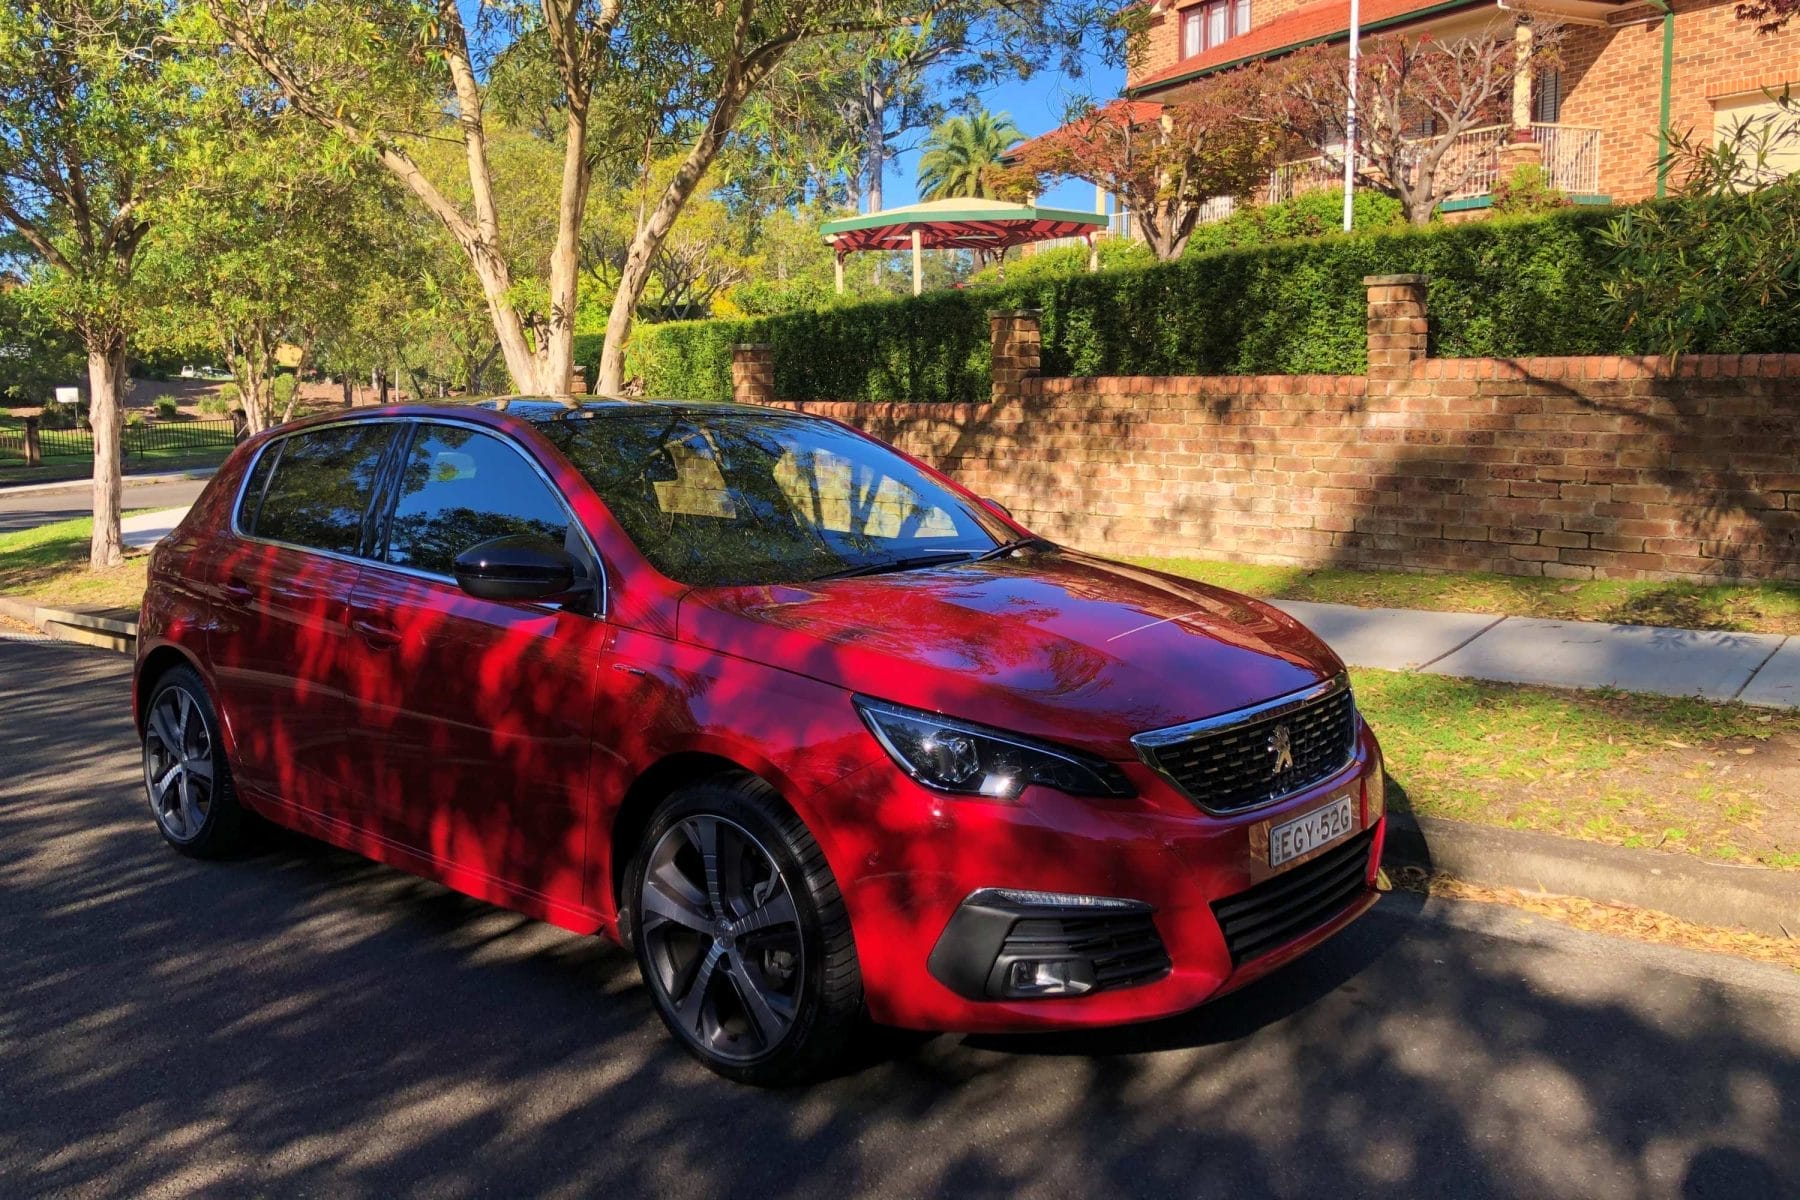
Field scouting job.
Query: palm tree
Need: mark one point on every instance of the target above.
(962, 155)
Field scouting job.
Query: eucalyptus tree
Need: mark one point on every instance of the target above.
(392, 76)
(86, 120)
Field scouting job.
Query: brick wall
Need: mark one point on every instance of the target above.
(1575, 468)
(1612, 80)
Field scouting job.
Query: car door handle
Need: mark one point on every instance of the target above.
(377, 634)
(237, 591)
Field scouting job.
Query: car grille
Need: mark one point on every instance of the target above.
(1124, 950)
(1278, 910)
(1230, 767)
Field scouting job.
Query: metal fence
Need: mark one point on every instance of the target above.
(1571, 157)
(152, 439)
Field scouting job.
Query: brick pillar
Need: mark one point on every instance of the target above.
(34, 451)
(1397, 324)
(1516, 154)
(578, 380)
(1015, 341)
(753, 373)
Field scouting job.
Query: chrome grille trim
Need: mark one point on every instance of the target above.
(1151, 744)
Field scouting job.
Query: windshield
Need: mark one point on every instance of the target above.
(740, 498)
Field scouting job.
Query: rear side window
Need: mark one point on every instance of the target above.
(252, 498)
(321, 485)
(460, 488)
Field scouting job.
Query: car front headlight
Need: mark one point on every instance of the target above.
(972, 760)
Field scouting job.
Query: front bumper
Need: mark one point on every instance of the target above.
(908, 879)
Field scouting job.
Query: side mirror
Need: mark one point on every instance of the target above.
(515, 568)
(995, 504)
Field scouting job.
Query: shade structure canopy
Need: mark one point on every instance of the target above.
(964, 224)
(961, 224)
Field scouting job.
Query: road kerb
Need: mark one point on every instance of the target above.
(1763, 900)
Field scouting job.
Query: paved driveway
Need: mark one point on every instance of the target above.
(301, 1021)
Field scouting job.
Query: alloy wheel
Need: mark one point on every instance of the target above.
(723, 938)
(178, 764)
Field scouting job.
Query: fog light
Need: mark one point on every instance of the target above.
(1050, 977)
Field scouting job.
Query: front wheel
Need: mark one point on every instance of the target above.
(742, 935)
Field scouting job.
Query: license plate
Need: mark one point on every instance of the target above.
(1306, 833)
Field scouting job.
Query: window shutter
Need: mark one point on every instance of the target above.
(1546, 107)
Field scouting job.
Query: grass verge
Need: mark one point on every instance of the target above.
(49, 564)
(1720, 781)
(1759, 608)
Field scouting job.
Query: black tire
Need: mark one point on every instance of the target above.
(820, 994)
(196, 815)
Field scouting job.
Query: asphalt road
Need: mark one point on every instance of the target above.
(300, 1021)
(42, 508)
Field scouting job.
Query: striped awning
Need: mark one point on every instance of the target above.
(963, 224)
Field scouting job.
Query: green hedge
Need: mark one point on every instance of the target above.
(1502, 287)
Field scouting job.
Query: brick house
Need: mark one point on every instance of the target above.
(1593, 122)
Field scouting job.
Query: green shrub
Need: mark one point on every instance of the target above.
(1504, 287)
(57, 415)
(282, 389)
(221, 402)
(166, 407)
(1526, 192)
(1308, 215)
(587, 356)
(1115, 253)
(135, 417)
(766, 297)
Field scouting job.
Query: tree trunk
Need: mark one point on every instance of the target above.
(349, 388)
(479, 374)
(875, 136)
(642, 256)
(106, 376)
(556, 360)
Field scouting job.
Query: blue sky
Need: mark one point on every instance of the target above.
(1037, 106)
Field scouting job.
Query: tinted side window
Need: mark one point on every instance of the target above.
(253, 487)
(321, 487)
(460, 488)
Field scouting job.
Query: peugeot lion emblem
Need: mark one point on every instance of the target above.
(1281, 745)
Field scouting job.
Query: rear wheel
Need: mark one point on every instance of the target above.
(185, 773)
(742, 935)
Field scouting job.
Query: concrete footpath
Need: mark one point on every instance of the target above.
(1755, 668)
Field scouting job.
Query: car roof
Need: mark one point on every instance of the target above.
(544, 410)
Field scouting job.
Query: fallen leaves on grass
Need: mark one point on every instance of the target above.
(1617, 920)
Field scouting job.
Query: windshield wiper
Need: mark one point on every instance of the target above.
(1005, 548)
(909, 563)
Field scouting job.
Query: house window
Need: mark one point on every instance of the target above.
(1546, 98)
(1207, 25)
(1193, 39)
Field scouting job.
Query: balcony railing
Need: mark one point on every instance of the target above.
(1571, 160)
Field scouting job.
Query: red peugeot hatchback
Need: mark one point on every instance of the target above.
(822, 736)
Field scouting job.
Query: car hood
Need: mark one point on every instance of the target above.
(1056, 644)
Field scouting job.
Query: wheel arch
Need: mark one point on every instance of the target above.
(655, 784)
(678, 769)
(156, 663)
